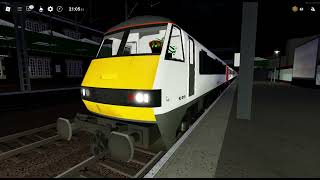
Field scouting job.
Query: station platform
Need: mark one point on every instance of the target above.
(196, 153)
(281, 139)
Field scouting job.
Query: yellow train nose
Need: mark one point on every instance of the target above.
(129, 72)
(144, 114)
(119, 74)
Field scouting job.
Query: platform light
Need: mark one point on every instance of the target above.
(276, 52)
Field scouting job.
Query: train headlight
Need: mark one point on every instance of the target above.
(142, 97)
(85, 92)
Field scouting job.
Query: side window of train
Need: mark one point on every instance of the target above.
(191, 51)
(209, 65)
(175, 46)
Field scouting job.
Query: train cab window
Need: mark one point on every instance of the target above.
(110, 45)
(175, 47)
(134, 41)
(147, 40)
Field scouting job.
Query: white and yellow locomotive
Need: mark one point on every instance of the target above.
(148, 83)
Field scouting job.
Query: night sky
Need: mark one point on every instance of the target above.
(214, 23)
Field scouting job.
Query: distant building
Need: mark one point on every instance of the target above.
(59, 52)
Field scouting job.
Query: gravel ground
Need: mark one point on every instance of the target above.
(130, 168)
(106, 172)
(51, 160)
(145, 158)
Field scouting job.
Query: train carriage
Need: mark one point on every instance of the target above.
(149, 82)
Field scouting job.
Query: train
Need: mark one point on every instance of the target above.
(149, 82)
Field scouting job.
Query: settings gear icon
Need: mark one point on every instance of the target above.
(50, 8)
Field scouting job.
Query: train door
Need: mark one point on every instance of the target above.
(191, 66)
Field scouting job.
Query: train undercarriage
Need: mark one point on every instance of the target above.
(118, 138)
(111, 136)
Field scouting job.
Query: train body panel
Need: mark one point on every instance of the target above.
(123, 113)
(129, 72)
(173, 77)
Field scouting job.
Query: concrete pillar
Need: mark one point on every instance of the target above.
(22, 54)
(247, 53)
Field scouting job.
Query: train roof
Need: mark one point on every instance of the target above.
(140, 21)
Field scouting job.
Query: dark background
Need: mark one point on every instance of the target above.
(216, 24)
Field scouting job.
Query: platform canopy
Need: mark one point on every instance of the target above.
(49, 42)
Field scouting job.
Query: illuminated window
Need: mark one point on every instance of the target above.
(2, 68)
(35, 26)
(43, 27)
(39, 67)
(28, 25)
(74, 68)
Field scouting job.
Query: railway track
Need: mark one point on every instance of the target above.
(104, 166)
(26, 143)
(21, 142)
(42, 158)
